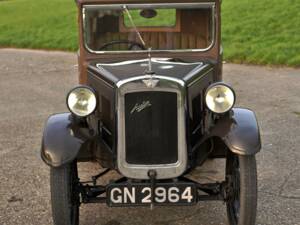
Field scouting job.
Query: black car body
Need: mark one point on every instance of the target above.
(155, 115)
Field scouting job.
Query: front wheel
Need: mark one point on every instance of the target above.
(64, 195)
(241, 179)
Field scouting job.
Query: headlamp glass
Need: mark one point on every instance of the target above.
(220, 98)
(81, 101)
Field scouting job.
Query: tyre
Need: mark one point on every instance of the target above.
(241, 179)
(64, 195)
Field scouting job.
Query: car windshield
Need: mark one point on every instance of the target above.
(138, 27)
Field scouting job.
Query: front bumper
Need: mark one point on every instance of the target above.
(102, 194)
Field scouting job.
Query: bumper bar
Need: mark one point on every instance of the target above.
(205, 192)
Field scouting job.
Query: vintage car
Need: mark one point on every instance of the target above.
(151, 105)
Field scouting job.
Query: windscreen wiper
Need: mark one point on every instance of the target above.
(133, 25)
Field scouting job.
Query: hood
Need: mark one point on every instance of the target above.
(117, 71)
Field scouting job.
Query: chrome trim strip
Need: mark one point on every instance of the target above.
(200, 77)
(152, 5)
(145, 77)
(165, 84)
(156, 60)
(186, 5)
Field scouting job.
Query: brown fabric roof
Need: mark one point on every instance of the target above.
(137, 1)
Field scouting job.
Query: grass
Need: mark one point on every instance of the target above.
(47, 24)
(256, 31)
(262, 31)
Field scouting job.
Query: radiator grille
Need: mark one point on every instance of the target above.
(151, 128)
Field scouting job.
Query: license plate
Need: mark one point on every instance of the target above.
(141, 194)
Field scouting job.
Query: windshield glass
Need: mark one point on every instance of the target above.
(139, 27)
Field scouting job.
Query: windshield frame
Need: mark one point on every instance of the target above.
(209, 5)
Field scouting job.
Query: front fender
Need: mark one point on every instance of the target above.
(62, 140)
(239, 131)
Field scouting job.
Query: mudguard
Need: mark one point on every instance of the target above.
(239, 131)
(62, 140)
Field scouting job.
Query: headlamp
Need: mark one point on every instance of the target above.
(82, 101)
(219, 98)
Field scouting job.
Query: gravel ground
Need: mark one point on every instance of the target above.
(34, 84)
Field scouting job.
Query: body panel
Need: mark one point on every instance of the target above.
(116, 71)
(62, 140)
(239, 131)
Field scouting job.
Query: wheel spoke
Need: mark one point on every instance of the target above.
(233, 202)
(241, 197)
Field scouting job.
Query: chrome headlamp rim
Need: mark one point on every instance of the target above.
(85, 87)
(220, 84)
